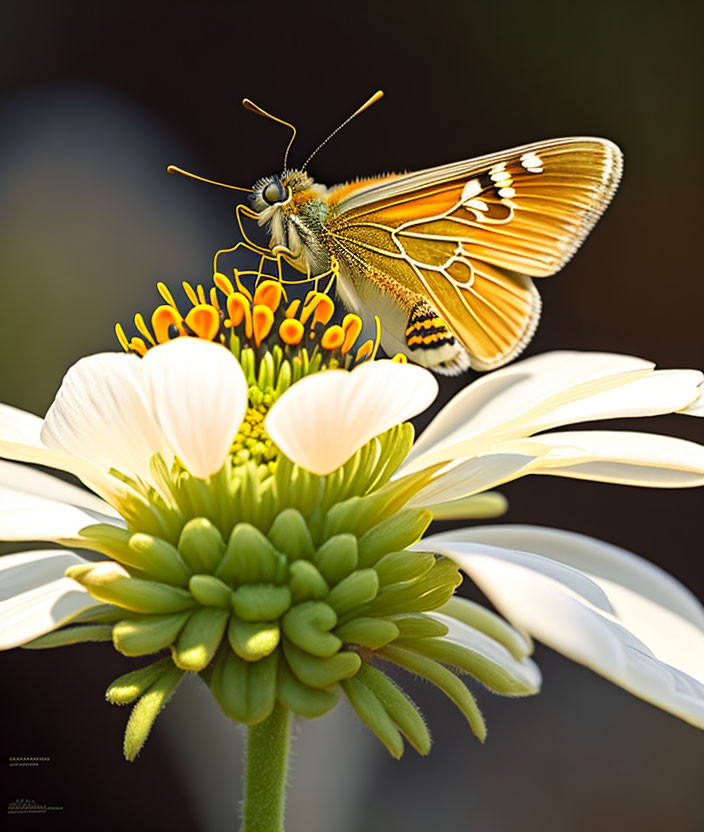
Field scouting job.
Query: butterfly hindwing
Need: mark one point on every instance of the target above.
(469, 236)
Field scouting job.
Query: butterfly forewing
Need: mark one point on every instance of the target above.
(468, 236)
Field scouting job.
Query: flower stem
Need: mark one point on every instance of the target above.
(267, 766)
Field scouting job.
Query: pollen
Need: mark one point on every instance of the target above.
(252, 443)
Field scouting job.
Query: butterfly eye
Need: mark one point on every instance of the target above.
(274, 193)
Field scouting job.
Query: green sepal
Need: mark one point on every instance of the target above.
(373, 714)
(398, 706)
(261, 602)
(146, 711)
(201, 545)
(495, 677)
(430, 591)
(337, 557)
(71, 635)
(417, 625)
(140, 636)
(393, 534)
(159, 559)
(442, 678)
(253, 640)
(368, 632)
(306, 583)
(127, 688)
(210, 591)
(519, 645)
(317, 672)
(308, 626)
(246, 691)
(200, 639)
(250, 557)
(356, 589)
(302, 699)
(289, 533)
(99, 614)
(398, 567)
(476, 507)
(131, 593)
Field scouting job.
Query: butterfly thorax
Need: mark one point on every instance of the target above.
(293, 208)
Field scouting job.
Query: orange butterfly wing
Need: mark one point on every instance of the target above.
(468, 237)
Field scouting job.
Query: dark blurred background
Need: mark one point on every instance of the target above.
(96, 99)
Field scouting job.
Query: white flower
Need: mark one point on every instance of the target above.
(187, 398)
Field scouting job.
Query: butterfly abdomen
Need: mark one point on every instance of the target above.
(431, 343)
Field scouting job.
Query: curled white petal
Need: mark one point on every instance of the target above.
(35, 598)
(321, 420)
(629, 458)
(648, 637)
(103, 414)
(199, 398)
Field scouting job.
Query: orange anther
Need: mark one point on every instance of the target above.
(352, 325)
(204, 321)
(292, 308)
(400, 358)
(262, 322)
(320, 306)
(238, 309)
(291, 331)
(223, 283)
(162, 318)
(269, 293)
(333, 338)
(137, 345)
(365, 351)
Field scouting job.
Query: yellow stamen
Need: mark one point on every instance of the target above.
(122, 338)
(400, 358)
(241, 287)
(352, 325)
(223, 283)
(201, 294)
(204, 321)
(142, 328)
(291, 331)
(166, 294)
(137, 345)
(262, 322)
(162, 318)
(214, 298)
(364, 351)
(269, 293)
(293, 308)
(188, 289)
(333, 338)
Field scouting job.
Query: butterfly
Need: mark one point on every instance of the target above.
(445, 257)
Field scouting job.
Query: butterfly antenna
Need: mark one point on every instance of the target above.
(253, 108)
(174, 169)
(377, 95)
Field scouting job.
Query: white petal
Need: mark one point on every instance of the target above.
(471, 476)
(641, 645)
(26, 517)
(525, 670)
(200, 398)
(501, 404)
(35, 598)
(321, 420)
(31, 481)
(102, 413)
(696, 408)
(645, 459)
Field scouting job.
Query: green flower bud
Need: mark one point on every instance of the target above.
(337, 557)
(199, 639)
(146, 711)
(305, 582)
(356, 589)
(250, 557)
(317, 672)
(303, 700)
(289, 533)
(127, 688)
(261, 602)
(372, 713)
(308, 626)
(253, 640)
(368, 632)
(210, 591)
(396, 532)
(108, 582)
(246, 691)
(142, 635)
(201, 545)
